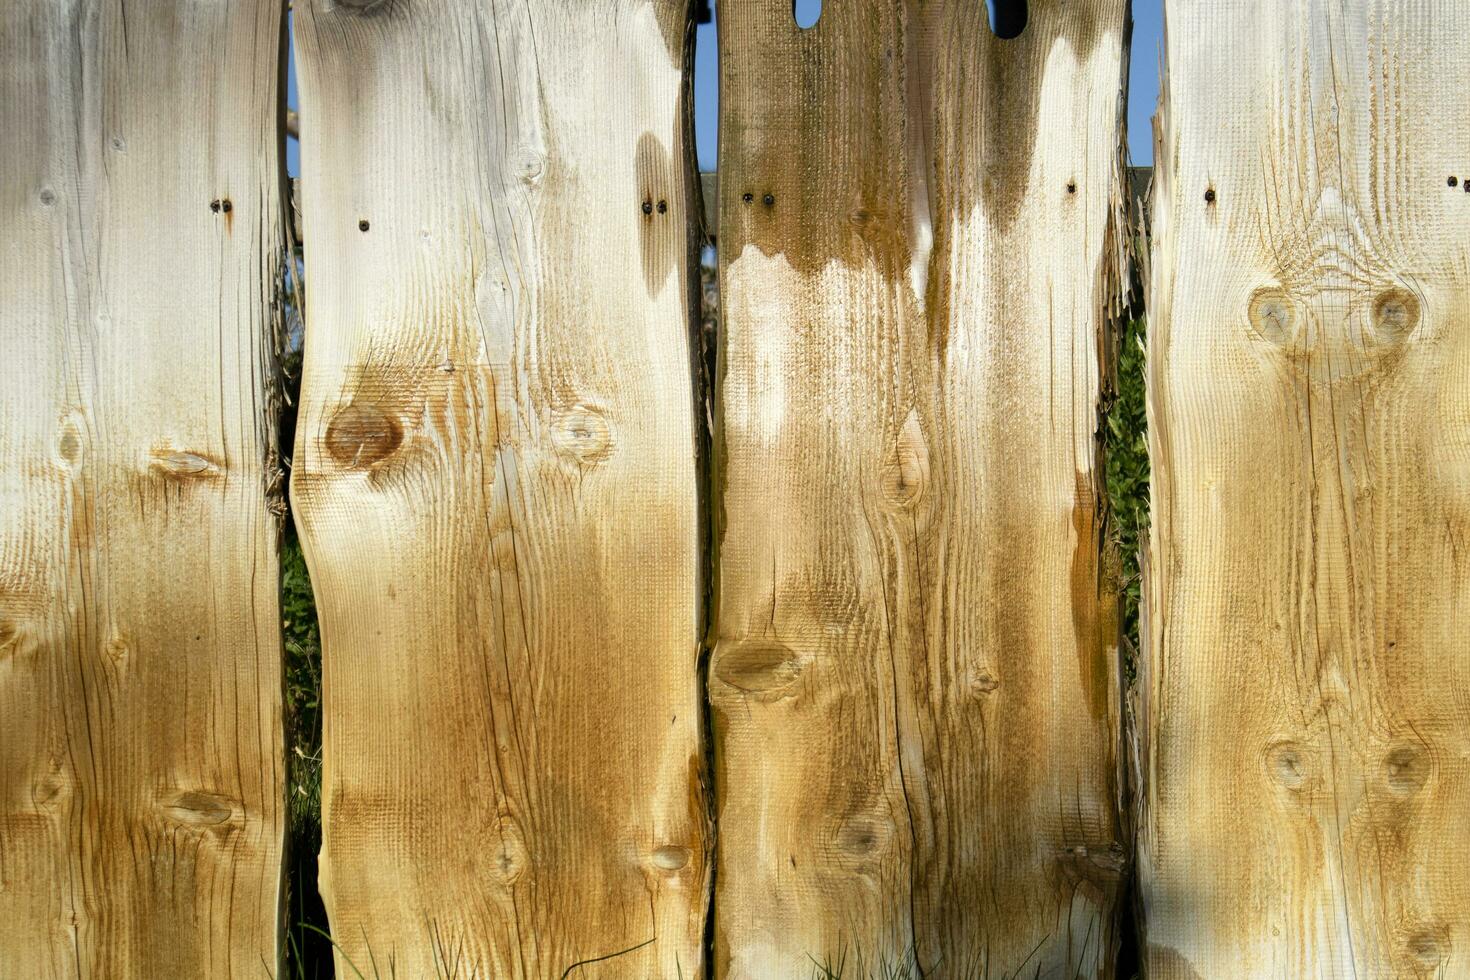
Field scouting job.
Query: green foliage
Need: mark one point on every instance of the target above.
(308, 953)
(1128, 473)
(303, 689)
(299, 627)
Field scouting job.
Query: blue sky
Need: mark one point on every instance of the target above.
(1143, 85)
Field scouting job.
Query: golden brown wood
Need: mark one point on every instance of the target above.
(914, 674)
(497, 485)
(1307, 715)
(141, 773)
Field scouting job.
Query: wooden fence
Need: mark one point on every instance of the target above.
(647, 660)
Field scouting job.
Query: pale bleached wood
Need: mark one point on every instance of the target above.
(141, 775)
(497, 485)
(914, 674)
(1307, 742)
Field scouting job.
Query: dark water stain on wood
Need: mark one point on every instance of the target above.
(661, 229)
(1006, 75)
(821, 152)
(817, 166)
(676, 27)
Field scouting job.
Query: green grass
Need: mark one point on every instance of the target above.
(303, 686)
(1126, 442)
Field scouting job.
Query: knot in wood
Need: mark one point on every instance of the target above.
(363, 8)
(1406, 769)
(582, 433)
(766, 669)
(202, 809)
(510, 858)
(670, 857)
(984, 682)
(1273, 316)
(862, 839)
(1329, 328)
(182, 464)
(361, 435)
(1395, 315)
(906, 471)
(11, 636)
(117, 649)
(1429, 947)
(529, 165)
(1289, 765)
(70, 447)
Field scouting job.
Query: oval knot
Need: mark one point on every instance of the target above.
(1405, 769)
(671, 857)
(906, 472)
(200, 809)
(760, 667)
(582, 433)
(361, 435)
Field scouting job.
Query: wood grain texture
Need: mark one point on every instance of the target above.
(1307, 718)
(141, 773)
(914, 671)
(497, 485)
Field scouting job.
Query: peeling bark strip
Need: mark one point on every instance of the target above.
(141, 773)
(498, 485)
(914, 677)
(1308, 687)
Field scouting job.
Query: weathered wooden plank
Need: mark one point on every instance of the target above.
(498, 484)
(141, 775)
(913, 681)
(1308, 704)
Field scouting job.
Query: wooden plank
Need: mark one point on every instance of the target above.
(142, 807)
(1307, 728)
(914, 674)
(497, 485)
